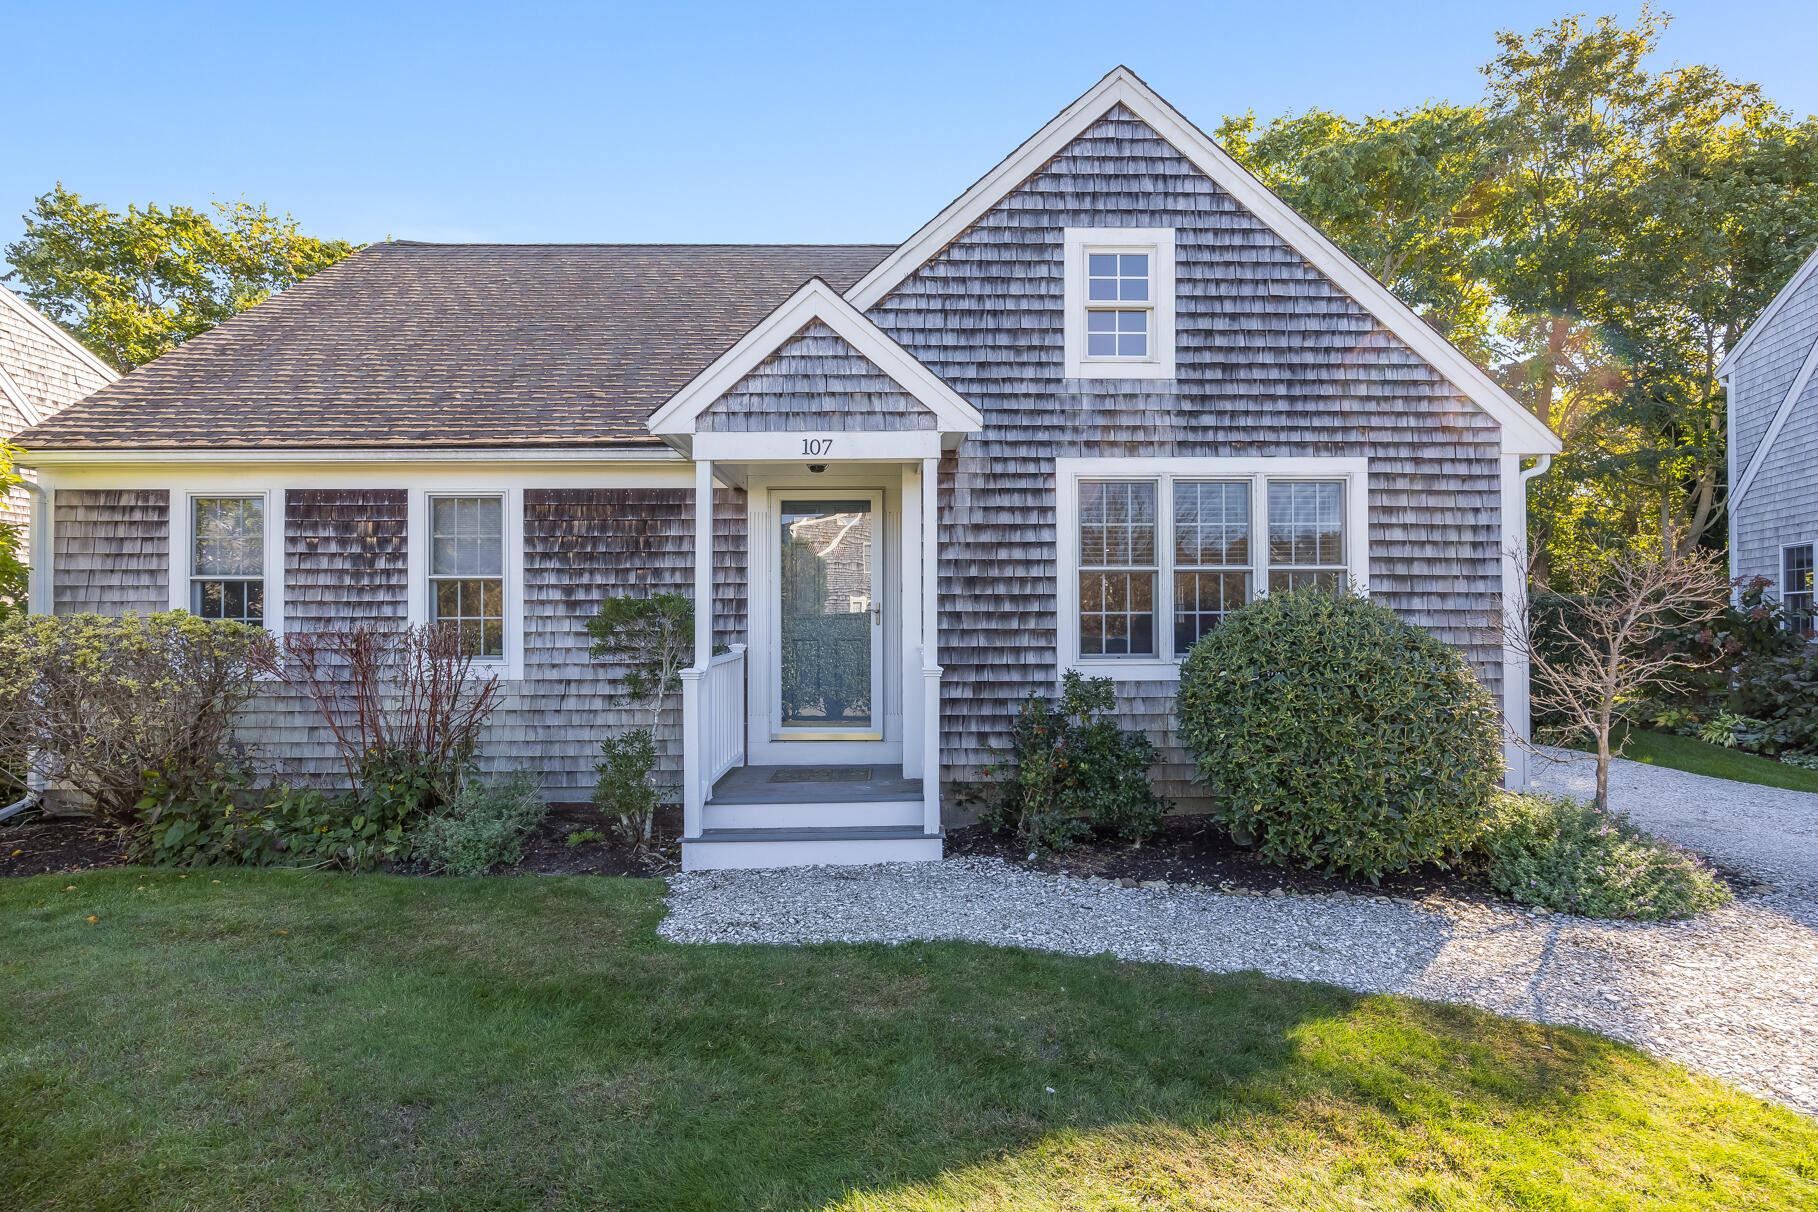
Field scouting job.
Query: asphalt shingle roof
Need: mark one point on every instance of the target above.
(407, 344)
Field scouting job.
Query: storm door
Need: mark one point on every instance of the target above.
(829, 616)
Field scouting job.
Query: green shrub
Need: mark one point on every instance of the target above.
(626, 789)
(481, 828)
(1565, 855)
(1335, 735)
(1074, 771)
(99, 702)
(222, 818)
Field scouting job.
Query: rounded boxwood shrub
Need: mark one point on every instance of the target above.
(1336, 735)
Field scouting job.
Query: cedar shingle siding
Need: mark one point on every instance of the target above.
(1272, 360)
(345, 558)
(112, 551)
(815, 381)
(1781, 505)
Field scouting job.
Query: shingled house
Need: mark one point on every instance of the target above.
(1110, 393)
(43, 370)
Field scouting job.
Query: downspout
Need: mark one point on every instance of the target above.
(1539, 469)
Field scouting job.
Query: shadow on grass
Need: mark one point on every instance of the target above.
(287, 1041)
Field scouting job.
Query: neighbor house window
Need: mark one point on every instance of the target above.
(1158, 552)
(467, 570)
(227, 566)
(1796, 587)
(1119, 288)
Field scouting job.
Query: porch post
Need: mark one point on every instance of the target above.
(931, 631)
(695, 687)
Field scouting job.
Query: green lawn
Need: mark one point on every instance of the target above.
(1695, 757)
(275, 1040)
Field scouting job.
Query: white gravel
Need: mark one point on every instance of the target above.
(1733, 993)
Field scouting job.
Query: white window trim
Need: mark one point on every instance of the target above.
(509, 668)
(1355, 472)
(183, 547)
(1078, 242)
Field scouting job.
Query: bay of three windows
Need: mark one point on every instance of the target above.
(466, 565)
(1149, 591)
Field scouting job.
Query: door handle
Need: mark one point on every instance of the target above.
(877, 613)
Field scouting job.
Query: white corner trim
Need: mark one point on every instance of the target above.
(1158, 242)
(12, 392)
(1068, 472)
(1800, 380)
(1522, 432)
(54, 331)
(815, 300)
(1768, 313)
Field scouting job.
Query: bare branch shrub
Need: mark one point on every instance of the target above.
(400, 702)
(1594, 659)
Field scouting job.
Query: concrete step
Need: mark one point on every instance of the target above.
(722, 849)
(717, 814)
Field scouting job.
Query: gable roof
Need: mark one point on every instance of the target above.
(1768, 313)
(42, 368)
(816, 300)
(1523, 433)
(431, 345)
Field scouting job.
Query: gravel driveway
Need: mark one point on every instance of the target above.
(1733, 993)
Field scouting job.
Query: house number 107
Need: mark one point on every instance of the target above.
(817, 446)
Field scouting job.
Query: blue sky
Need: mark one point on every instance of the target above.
(707, 122)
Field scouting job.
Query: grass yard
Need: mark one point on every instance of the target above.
(271, 1040)
(1696, 757)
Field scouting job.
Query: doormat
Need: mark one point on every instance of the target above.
(821, 774)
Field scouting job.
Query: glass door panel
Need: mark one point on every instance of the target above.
(828, 614)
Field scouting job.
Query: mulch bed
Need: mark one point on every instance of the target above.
(33, 844)
(1193, 849)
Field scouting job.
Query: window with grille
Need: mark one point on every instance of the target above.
(1306, 534)
(1155, 562)
(1119, 296)
(1120, 304)
(1796, 587)
(1117, 568)
(467, 570)
(227, 564)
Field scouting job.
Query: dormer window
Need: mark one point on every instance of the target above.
(1120, 303)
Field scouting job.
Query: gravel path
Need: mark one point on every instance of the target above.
(1733, 993)
(1769, 833)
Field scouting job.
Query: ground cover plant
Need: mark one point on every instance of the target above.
(481, 828)
(1570, 857)
(294, 1040)
(1336, 735)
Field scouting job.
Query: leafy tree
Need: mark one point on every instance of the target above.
(14, 578)
(136, 285)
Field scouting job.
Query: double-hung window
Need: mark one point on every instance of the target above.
(467, 570)
(1796, 587)
(227, 558)
(1119, 299)
(1155, 556)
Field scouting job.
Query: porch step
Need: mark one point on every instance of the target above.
(849, 845)
(717, 815)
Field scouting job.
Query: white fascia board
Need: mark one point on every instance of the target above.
(55, 333)
(814, 301)
(1522, 432)
(12, 392)
(1767, 314)
(834, 447)
(1741, 485)
(252, 457)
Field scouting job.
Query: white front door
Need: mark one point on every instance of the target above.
(827, 618)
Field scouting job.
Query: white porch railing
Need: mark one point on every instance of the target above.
(713, 730)
(724, 734)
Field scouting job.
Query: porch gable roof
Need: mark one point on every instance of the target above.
(677, 421)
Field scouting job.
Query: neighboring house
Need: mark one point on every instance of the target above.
(43, 370)
(1771, 380)
(1111, 392)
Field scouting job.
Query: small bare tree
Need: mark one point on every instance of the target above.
(1593, 659)
(654, 636)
